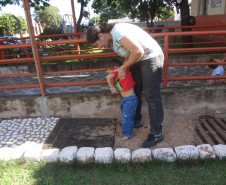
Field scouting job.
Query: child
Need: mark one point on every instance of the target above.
(129, 102)
(218, 70)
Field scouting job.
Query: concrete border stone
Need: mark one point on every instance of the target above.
(220, 150)
(206, 151)
(141, 155)
(165, 154)
(122, 154)
(85, 155)
(50, 155)
(187, 152)
(104, 155)
(68, 154)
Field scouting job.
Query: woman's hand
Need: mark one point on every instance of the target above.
(121, 72)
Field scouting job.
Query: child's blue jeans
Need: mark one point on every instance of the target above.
(128, 110)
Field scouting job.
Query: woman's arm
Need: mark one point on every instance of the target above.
(136, 52)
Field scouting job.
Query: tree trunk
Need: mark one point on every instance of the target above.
(147, 21)
(185, 21)
(80, 16)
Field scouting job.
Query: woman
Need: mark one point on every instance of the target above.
(145, 59)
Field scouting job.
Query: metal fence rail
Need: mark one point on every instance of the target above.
(77, 55)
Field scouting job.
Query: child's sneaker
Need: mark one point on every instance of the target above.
(138, 125)
(152, 140)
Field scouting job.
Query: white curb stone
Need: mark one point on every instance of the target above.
(5, 154)
(220, 150)
(85, 154)
(30, 145)
(141, 155)
(122, 154)
(50, 155)
(166, 154)
(33, 154)
(68, 154)
(17, 154)
(104, 155)
(206, 151)
(187, 152)
(32, 151)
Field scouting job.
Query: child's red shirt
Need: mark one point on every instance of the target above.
(126, 83)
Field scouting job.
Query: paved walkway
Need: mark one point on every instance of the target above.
(93, 76)
(18, 131)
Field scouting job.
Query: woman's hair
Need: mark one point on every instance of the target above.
(92, 32)
(114, 63)
(212, 66)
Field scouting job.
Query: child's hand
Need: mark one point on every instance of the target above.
(113, 90)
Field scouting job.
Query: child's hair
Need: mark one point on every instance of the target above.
(114, 63)
(212, 66)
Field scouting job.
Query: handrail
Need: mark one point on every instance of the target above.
(166, 50)
(184, 27)
(77, 41)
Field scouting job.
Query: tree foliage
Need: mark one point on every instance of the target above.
(145, 10)
(37, 4)
(51, 31)
(95, 20)
(9, 26)
(108, 10)
(49, 15)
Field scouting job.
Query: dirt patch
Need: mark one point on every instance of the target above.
(178, 130)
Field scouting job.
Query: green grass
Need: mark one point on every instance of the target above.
(181, 172)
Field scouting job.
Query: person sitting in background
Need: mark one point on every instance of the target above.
(217, 70)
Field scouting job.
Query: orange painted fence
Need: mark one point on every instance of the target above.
(166, 49)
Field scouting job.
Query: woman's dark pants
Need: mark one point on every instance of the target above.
(148, 75)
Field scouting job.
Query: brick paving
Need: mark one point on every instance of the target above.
(16, 132)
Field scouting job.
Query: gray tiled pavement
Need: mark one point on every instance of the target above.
(18, 131)
(93, 76)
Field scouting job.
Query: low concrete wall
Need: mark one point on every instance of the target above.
(106, 105)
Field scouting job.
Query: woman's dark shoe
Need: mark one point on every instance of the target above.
(152, 140)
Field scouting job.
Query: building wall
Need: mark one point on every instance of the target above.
(216, 10)
(211, 20)
(197, 8)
